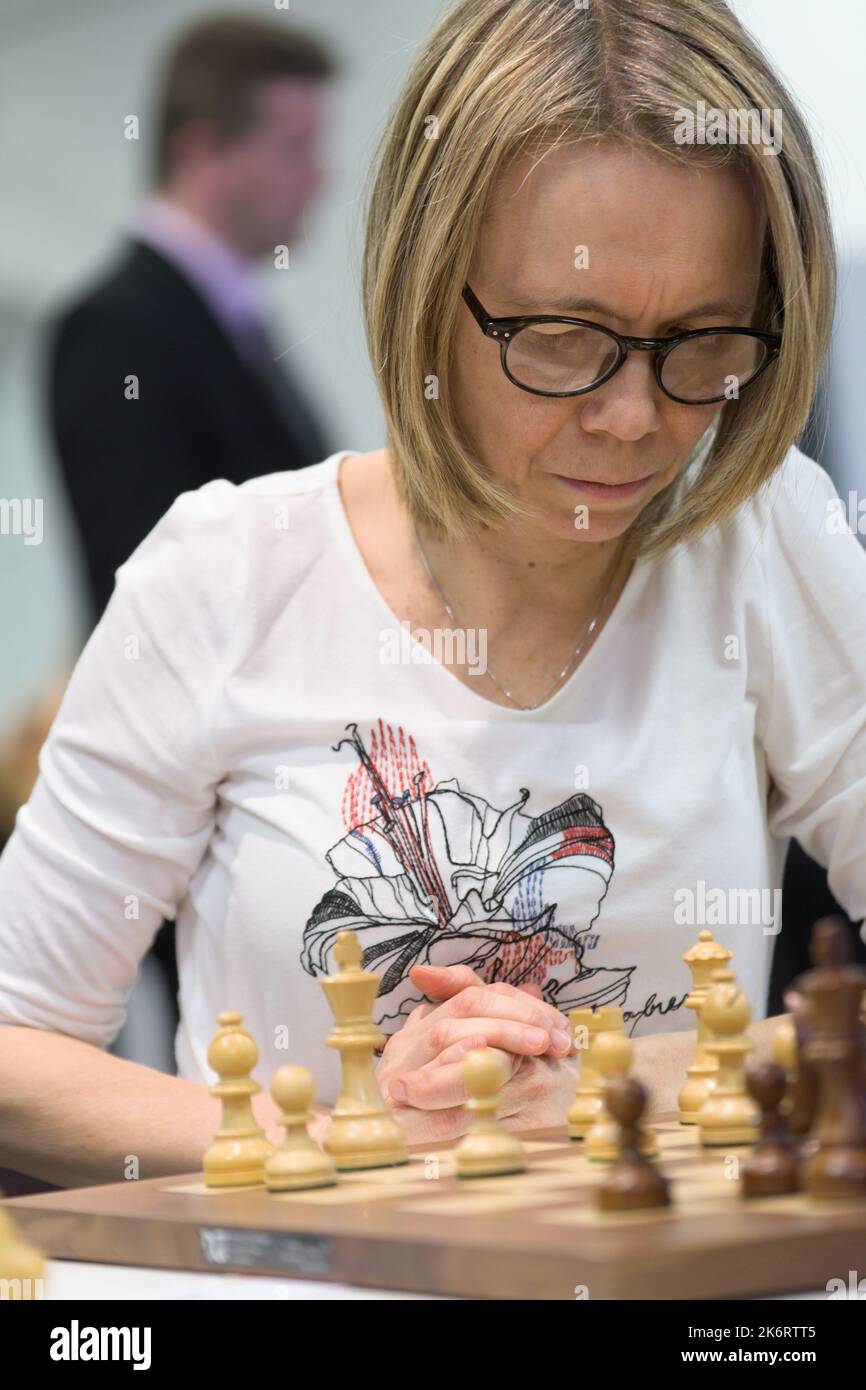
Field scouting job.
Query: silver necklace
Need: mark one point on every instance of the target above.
(569, 666)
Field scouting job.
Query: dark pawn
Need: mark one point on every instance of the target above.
(805, 1088)
(772, 1168)
(830, 945)
(632, 1181)
(837, 1167)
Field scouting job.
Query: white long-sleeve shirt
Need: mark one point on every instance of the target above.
(245, 746)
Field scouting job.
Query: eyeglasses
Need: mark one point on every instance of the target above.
(554, 356)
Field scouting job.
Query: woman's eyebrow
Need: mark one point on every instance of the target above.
(727, 307)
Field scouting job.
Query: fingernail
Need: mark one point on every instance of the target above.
(561, 1040)
(397, 1091)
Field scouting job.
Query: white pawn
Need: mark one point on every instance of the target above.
(587, 1026)
(240, 1149)
(299, 1162)
(729, 1115)
(613, 1054)
(487, 1150)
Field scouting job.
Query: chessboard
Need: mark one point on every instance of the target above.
(420, 1228)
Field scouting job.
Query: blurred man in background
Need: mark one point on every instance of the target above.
(163, 376)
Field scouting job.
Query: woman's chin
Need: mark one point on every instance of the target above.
(591, 525)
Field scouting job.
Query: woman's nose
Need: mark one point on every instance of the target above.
(628, 404)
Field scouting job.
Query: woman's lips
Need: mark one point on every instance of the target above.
(610, 490)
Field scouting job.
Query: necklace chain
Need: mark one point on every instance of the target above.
(585, 635)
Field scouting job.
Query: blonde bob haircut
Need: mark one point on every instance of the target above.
(507, 77)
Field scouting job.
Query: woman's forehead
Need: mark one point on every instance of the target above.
(596, 182)
(568, 223)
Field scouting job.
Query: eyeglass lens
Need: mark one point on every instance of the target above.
(562, 357)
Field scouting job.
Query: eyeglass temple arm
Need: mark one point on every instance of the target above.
(478, 311)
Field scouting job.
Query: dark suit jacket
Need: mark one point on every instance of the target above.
(201, 413)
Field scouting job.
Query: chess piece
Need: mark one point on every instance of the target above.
(729, 1115)
(486, 1150)
(239, 1151)
(783, 1047)
(632, 1182)
(703, 958)
(22, 1267)
(588, 1102)
(298, 1163)
(839, 943)
(772, 1169)
(613, 1054)
(834, 987)
(837, 947)
(363, 1132)
(804, 1090)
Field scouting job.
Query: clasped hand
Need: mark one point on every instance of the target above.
(420, 1068)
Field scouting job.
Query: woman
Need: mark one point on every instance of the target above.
(517, 696)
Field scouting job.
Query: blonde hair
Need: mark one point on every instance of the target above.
(506, 77)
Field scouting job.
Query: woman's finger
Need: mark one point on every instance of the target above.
(418, 1014)
(556, 1017)
(432, 1088)
(458, 1051)
(534, 990)
(520, 1023)
(505, 1033)
(458, 987)
(443, 981)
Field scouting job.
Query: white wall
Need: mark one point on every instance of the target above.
(820, 49)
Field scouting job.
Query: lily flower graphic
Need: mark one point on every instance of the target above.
(440, 877)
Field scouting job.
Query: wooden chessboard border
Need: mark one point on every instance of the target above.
(519, 1244)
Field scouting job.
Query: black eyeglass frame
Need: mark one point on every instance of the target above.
(504, 330)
